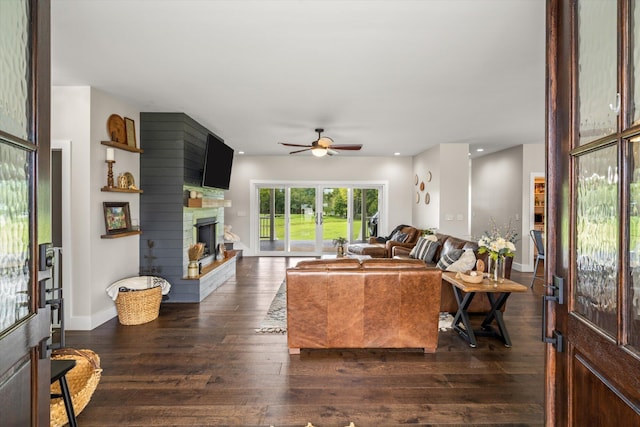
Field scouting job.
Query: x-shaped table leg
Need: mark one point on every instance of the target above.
(463, 316)
(496, 313)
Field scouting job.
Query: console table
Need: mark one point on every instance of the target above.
(497, 293)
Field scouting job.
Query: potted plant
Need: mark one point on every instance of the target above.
(339, 242)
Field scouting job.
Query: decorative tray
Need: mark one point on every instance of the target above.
(469, 278)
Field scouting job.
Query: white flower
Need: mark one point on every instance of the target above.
(497, 242)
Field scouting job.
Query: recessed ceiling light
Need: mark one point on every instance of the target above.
(396, 154)
(479, 150)
(240, 152)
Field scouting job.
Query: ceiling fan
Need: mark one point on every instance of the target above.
(323, 146)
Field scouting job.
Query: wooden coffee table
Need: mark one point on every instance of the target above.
(497, 293)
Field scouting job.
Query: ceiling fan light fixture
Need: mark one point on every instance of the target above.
(322, 146)
(325, 141)
(319, 151)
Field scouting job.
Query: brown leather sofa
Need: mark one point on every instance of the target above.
(381, 248)
(448, 302)
(376, 303)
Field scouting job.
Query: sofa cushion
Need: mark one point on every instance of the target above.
(466, 262)
(329, 264)
(375, 250)
(390, 263)
(425, 249)
(449, 258)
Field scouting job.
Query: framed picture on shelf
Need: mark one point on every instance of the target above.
(130, 127)
(117, 218)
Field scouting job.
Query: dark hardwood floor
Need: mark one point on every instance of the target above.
(204, 365)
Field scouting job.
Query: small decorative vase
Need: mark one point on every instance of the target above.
(123, 182)
(496, 269)
(340, 251)
(192, 269)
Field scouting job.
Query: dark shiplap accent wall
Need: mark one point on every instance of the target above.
(174, 148)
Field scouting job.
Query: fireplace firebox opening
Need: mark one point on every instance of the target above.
(206, 233)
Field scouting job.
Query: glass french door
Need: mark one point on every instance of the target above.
(25, 217)
(365, 213)
(305, 219)
(592, 265)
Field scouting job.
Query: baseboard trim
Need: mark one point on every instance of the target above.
(522, 268)
(88, 323)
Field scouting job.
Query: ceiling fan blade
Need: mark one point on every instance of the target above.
(300, 151)
(292, 145)
(354, 147)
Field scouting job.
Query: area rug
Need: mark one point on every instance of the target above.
(351, 424)
(446, 319)
(275, 322)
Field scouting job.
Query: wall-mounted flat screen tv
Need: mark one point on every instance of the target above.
(218, 160)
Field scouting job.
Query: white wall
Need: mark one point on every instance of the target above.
(500, 191)
(454, 190)
(79, 114)
(427, 215)
(396, 171)
(448, 189)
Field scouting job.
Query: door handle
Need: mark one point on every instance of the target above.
(557, 339)
(45, 262)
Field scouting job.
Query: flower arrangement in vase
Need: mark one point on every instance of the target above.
(339, 242)
(498, 244)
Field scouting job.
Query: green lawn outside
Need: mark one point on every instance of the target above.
(303, 227)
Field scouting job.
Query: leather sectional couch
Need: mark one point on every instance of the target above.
(375, 303)
(448, 301)
(404, 236)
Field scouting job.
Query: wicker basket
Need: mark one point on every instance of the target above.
(138, 306)
(82, 381)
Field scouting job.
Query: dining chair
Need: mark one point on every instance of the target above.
(536, 235)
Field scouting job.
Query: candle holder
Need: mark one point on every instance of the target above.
(110, 173)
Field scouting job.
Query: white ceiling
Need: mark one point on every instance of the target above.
(393, 75)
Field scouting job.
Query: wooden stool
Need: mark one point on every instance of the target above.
(59, 369)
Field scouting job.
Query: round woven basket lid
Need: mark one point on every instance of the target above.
(116, 129)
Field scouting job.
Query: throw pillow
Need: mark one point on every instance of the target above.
(424, 249)
(465, 263)
(449, 258)
(400, 237)
(394, 235)
(419, 249)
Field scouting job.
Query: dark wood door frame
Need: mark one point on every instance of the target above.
(590, 360)
(24, 358)
(558, 119)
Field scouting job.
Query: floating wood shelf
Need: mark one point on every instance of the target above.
(208, 203)
(120, 190)
(123, 234)
(122, 146)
